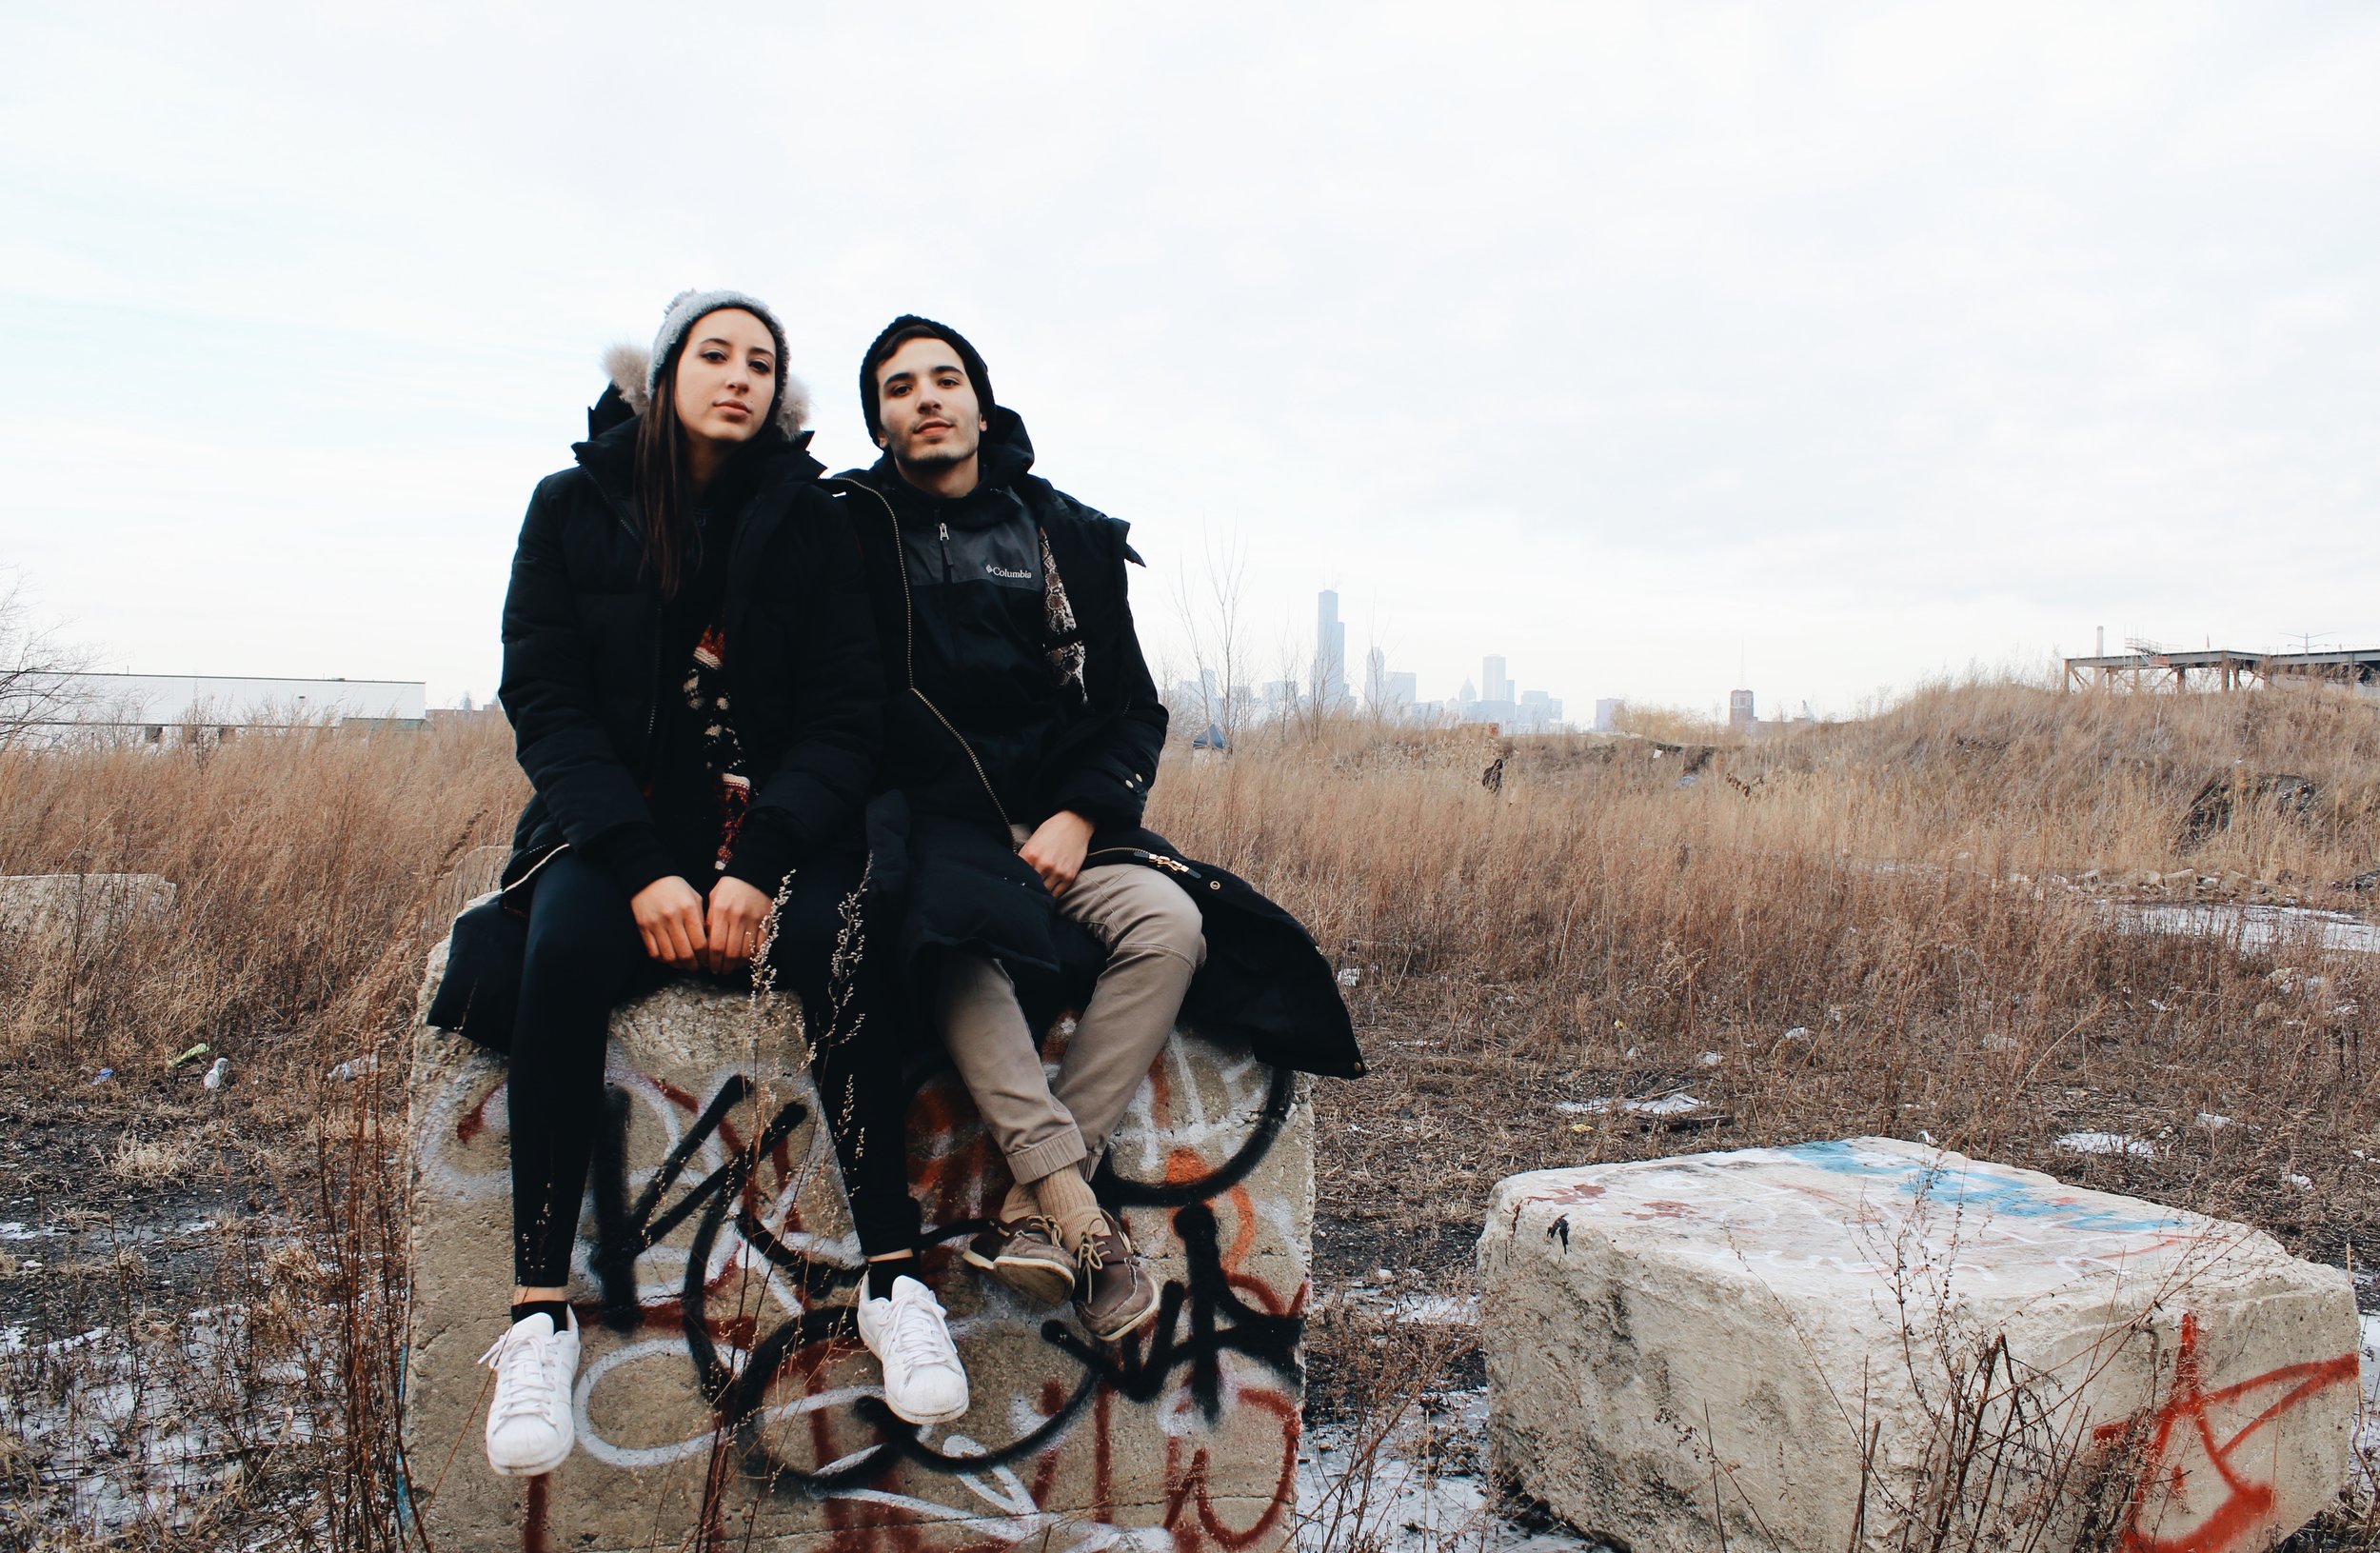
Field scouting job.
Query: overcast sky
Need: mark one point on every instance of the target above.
(1850, 344)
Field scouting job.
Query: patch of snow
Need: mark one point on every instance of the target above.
(1437, 1310)
(2366, 1453)
(1709, 1059)
(1799, 1033)
(2304, 1183)
(2257, 927)
(1677, 1105)
(1422, 1490)
(2213, 1122)
(129, 1435)
(2108, 1143)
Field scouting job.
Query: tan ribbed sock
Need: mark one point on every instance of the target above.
(1066, 1197)
(1019, 1204)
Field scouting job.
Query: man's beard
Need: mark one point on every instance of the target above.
(941, 457)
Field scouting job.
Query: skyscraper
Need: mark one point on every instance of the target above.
(1330, 650)
(1494, 683)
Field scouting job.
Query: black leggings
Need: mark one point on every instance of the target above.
(584, 956)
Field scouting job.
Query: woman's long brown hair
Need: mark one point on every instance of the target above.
(661, 493)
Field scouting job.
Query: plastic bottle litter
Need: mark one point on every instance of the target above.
(216, 1074)
(104, 1075)
(355, 1068)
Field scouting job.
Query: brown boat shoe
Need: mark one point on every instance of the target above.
(1024, 1254)
(1114, 1293)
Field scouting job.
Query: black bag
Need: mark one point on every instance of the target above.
(481, 990)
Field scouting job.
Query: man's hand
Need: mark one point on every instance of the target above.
(738, 917)
(1054, 852)
(670, 916)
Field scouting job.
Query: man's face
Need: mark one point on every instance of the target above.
(932, 418)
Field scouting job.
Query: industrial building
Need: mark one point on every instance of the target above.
(2151, 665)
(157, 709)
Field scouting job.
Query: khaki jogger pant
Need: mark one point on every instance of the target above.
(1155, 945)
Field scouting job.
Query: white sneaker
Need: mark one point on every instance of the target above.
(923, 1379)
(529, 1422)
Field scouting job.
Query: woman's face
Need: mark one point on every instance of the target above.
(726, 376)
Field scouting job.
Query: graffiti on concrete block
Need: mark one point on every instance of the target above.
(724, 1271)
(2199, 1490)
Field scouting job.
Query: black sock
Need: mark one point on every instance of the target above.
(558, 1309)
(880, 1274)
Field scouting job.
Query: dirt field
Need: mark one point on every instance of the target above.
(1931, 924)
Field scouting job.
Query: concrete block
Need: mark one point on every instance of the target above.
(1858, 1345)
(731, 1404)
(85, 909)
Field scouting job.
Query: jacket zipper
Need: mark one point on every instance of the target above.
(652, 694)
(505, 895)
(909, 650)
(652, 681)
(1155, 860)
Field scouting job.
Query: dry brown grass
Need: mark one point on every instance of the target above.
(1861, 932)
(205, 1347)
(1859, 922)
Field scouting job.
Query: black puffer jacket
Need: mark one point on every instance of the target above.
(582, 670)
(962, 766)
(979, 723)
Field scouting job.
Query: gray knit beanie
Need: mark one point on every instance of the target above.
(792, 403)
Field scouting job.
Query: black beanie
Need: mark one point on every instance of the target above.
(901, 329)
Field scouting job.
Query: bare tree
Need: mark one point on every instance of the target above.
(1308, 701)
(1211, 610)
(37, 687)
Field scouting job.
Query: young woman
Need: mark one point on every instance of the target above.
(690, 670)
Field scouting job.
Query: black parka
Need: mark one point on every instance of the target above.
(942, 865)
(582, 670)
(1000, 739)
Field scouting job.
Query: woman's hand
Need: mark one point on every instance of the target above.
(1054, 852)
(670, 916)
(739, 918)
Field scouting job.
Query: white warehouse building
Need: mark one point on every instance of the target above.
(151, 706)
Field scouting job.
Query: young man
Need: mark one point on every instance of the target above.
(1024, 733)
(1021, 735)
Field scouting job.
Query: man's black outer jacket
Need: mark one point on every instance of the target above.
(583, 672)
(979, 725)
(942, 865)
